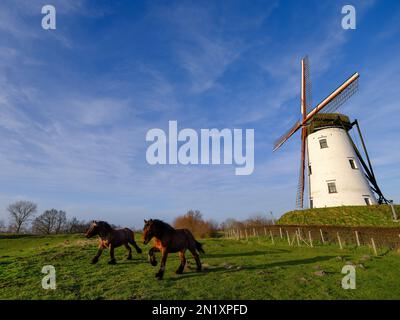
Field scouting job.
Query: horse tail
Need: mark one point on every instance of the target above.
(199, 246)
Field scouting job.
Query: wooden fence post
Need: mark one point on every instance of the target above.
(245, 231)
(288, 237)
(254, 231)
(310, 238)
(280, 232)
(322, 236)
(340, 242)
(394, 213)
(373, 246)
(298, 239)
(272, 237)
(265, 232)
(357, 239)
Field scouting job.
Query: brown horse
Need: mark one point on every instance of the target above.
(170, 240)
(111, 238)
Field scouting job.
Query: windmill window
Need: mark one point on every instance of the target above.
(309, 170)
(323, 143)
(367, 201)
(311, 203)
(332, 187)
(353, 164)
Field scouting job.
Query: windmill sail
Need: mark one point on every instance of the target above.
(307, 84)
(287, 135)
(340, 99)
(342, 93)
(300, 186)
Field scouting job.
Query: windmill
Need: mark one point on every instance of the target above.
(337, 172)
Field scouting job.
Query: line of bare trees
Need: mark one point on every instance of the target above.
(23, 219)
(252, 222)
(193, 220)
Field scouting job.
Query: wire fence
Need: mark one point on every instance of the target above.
(310, 236)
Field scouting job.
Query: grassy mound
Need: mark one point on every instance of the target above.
(351, 216)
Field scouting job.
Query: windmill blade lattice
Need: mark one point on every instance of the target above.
(341, 98)
(287, 135)
(307, 84)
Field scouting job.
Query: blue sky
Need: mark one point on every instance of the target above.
(76, 102)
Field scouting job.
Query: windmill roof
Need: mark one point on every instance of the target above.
(324, 120)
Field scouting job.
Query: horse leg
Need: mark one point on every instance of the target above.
(97, 256)
(152, 256)
(160, 273)
(183, 262)
(137, 248)
(196, 257)
(112, 261)
(129, 251)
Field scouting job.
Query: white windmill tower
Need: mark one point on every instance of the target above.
(337, 172)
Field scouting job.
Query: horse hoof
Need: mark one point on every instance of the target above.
(179, 271)
(129, 258)
(112, 262)
(159, 276)
(153, 263)
(139, 250)
(94, 261)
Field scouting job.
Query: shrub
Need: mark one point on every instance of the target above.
(193, 220)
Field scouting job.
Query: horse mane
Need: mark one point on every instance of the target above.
(163, 225)
(105, 226)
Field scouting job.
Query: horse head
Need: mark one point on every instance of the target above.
(100, 228)
(149, 230)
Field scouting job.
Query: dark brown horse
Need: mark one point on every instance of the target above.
(170, 240)
(111, 238)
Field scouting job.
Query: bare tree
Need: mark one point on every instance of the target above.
(61, 222)
(21, 212)
(45, 222)
(2, 226)
(75, 226)
(257, 220)
(50, 221)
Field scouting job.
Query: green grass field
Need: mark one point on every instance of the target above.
(349, 216)
(253, 269)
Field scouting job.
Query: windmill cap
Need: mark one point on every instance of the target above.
(328, 120)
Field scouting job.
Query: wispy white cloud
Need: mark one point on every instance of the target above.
(200, 43)
(81, 147)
